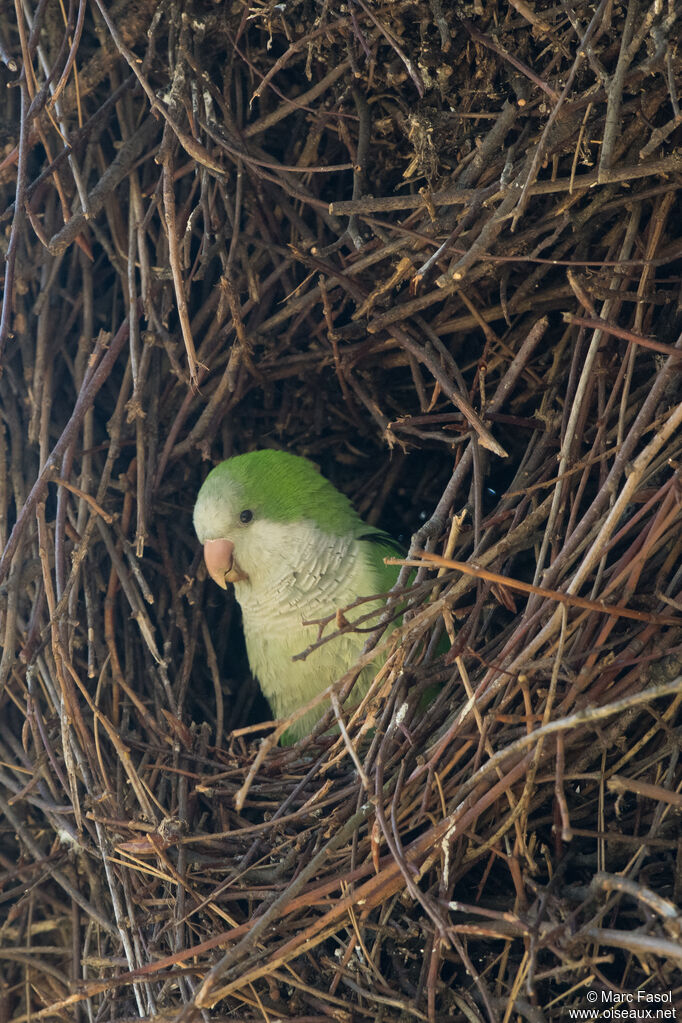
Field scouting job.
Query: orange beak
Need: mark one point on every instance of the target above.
(220, 562)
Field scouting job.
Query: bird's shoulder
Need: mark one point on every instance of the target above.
(381, 539)
(377, 545)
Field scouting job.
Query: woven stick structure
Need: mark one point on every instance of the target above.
(437, 249)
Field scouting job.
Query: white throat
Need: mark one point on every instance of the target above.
(300, 572)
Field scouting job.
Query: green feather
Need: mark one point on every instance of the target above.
(306, 553)
(288, 488)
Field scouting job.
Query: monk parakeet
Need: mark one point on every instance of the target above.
(295, 550)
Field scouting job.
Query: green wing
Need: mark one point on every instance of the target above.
(384, 546)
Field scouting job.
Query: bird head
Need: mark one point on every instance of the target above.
(251, 504)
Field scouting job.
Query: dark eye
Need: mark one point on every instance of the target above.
(246, 515)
